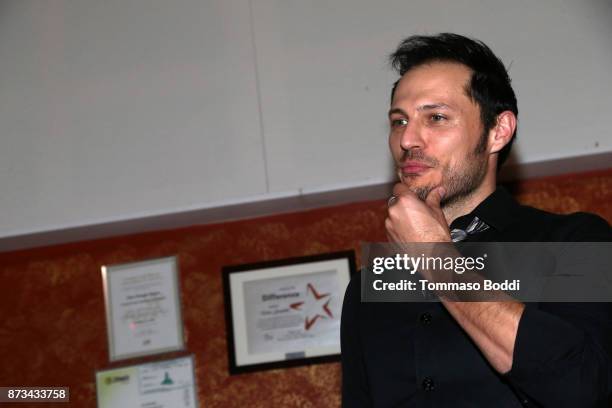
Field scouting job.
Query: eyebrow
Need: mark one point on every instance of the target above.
(397, 110)
(430, 106)
(421, 108)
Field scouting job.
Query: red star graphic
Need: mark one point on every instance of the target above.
(309, 321)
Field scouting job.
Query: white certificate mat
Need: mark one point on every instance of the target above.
(285, 312)
(290, 314)
(143, 313)
(163, 384)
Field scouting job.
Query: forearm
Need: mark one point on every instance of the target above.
(493, 326)
(490, 318)
(561, 355)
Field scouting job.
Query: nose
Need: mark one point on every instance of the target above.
(411, 137)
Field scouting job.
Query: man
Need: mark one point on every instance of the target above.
(452, 121)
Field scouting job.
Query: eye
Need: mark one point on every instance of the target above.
(399, 122)
(437, 117)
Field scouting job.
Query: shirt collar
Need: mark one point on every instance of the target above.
(497, 211)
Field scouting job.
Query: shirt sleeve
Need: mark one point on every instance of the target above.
(562, 351)
(355, 391)
(560, 357)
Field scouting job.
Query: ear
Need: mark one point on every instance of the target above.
(502, 132)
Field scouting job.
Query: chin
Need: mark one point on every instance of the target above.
(420, 189)
(419, 182)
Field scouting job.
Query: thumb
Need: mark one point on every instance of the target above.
(434, 197)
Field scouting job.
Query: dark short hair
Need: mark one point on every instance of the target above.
(489, 86)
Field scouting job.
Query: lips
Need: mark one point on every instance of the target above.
(414, 168)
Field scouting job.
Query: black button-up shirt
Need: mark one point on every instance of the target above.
(417, 355)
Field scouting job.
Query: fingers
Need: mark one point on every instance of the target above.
(433, 201)
(400, 188)
(409, 219)
(434, 197)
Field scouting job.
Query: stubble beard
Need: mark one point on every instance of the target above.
(460, 182)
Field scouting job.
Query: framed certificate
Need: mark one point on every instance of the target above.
(161, 384)
(286, 312)
(143, 308)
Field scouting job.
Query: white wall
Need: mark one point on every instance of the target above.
(119, 109)
(115, 109)
(325, 83)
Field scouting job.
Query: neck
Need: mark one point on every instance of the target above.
(471, 201)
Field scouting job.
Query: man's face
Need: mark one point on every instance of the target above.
(436, 132)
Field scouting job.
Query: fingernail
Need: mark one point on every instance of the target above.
(442, 192)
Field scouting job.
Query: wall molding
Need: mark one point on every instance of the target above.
(279, 204)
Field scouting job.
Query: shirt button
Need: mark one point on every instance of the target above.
(428, 384)
(425, 318)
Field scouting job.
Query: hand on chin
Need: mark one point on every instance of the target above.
(419, 185)
(413, 219)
